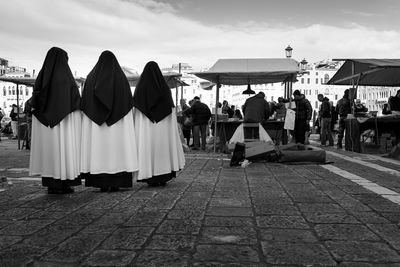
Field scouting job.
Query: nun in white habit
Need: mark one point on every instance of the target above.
(109, 153)
(56, 125)
(160, 151)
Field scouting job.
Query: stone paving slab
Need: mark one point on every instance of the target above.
(266, 214)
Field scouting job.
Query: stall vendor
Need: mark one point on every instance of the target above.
(394, 103)
(256, 108)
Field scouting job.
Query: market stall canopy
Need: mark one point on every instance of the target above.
(251, 71)
(28, 81)
(368, 72)
(172, 78)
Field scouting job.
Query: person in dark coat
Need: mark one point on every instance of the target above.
(343, 108)
(325, 116)
(186, 122)
(256, 108)
(109, 152)
(394, 103)
(201, 114)
(56, 124)
(303, 116)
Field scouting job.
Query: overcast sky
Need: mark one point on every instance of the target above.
(197, 32)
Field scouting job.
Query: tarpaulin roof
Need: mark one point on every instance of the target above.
(251, 71)
(369, 72)
(172, 80)
(28, 81)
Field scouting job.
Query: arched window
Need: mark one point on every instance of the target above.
(326, 78)
(4, 91)
(26, 91)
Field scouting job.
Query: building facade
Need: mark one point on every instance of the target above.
(9, 91)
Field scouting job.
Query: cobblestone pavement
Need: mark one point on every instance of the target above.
(341, 214)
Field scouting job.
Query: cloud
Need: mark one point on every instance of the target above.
(138, 31)
(157, 7)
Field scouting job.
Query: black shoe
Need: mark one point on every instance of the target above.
(163, 183)
(103, 189)
(339, 146)
(195, 148)
(114, 189)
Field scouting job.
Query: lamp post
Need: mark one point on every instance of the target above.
(303, 65)
(288, 51)
(288, 85)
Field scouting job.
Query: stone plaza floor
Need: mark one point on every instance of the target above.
(345, 213)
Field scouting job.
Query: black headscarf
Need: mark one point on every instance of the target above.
(152, 94)
(107, 96)
(55, 93)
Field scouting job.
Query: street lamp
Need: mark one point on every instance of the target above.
(288, 85)
(303, 64)
(288, 51)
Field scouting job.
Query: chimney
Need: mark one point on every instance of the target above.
(33, 74)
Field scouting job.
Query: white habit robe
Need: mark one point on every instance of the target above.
(159, 146)
(108, 149)
(55, 152)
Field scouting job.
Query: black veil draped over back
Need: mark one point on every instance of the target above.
(55, 93)
(152, 94)
(107, 96)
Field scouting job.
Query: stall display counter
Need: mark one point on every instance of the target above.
(372, 135)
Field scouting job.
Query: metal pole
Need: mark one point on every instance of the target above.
(19, 146)
(180, 69)
(352, 86)
(290, 92)
(216, 115)
(176, 94)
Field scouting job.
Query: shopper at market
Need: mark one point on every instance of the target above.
(109, 151)
(325, 117)
(343, 108)
(303, 116)
(56, 125)
(14, 120)
(160, 151)
(201, 115)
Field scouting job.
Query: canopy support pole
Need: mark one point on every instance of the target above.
(216, 114)
(176, 94)
(19, 144)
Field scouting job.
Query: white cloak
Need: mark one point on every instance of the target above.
(55, 152)
(159, 146)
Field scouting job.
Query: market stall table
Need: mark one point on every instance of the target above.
(376, 134)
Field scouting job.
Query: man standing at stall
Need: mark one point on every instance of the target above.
(303, 116)
(325, 117)
(201, 114)
(343, 108)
